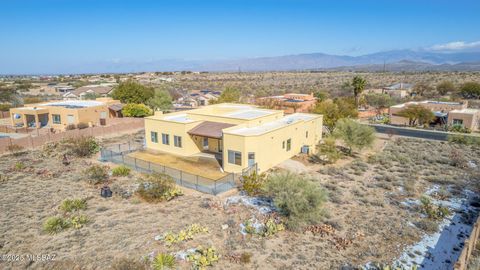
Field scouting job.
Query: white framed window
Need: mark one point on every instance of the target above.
(154, 136)
(458, 122)
(235, 157)
(177, 141)
(165, 139)
(56, 119)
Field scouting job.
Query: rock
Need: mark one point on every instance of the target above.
(224, 226)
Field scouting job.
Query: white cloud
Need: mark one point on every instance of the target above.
(457, 46)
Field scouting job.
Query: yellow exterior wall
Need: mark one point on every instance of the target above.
(87, 115)
(189, 147)
(268, 147)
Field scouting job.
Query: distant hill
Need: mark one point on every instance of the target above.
(397, 60)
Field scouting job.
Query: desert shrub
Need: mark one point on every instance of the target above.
(245, 257)
(96, 174)
(158, 187)
(136, 110)
(82, 125)
(184, 235)
(457, 159)
(253, 183)
(77, 222)
(427, 225)
(163, 261)
(466, 140)
(433, 211)
(268, 228)
(298, 199)
(15, 149)
(72, 205)
(121, 171)
(203, 257)
(55, 225)
(128, 264)
(327, 150)
(70, 127)
(354, 135)
(19, 166)
(84, 146)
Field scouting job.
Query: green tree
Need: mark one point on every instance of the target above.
(133, 92)
(321, 95)
(417, 114)
(354, 135)
(327, 150)
(445, 87)
(136, 110)
(358, 84)
(423, 89)
(160, 101)
(7, 94)
(470, 90)
(332, 110)
(379, 101)
(229, 95)
(299, 199)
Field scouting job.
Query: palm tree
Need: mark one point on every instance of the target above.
(358, 84)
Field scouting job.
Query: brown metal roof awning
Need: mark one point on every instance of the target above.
(209, 129)
(116, 107)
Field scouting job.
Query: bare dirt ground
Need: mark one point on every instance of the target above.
(365, 208)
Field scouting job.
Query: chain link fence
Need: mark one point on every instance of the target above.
(119, 154)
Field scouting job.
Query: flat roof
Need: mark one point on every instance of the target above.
(180, 118)
(248, 114)
(269, 126)
(467, 111)
(74, 103)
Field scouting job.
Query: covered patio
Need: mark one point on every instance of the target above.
(208, 137)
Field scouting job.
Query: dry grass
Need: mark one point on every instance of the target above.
(370, 224)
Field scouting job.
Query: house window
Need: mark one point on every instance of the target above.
(56, 119)
(306, 134)
(235, 157)
(283, 145)
(154, 136)
(165, 139)
(177, 141)
(458, 122)
(289, 144)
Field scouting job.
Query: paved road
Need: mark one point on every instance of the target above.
(410, 132)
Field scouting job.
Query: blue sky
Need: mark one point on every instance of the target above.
(53, 35)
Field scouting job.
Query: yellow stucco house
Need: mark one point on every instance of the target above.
(239, 135)
(60, 114)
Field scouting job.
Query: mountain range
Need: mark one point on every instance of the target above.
(395, 61)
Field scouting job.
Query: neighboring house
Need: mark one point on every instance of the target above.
(196, 98)
(399, 90)
(468, 118)
(290, 103)
(239, 135)
(448, 113)
(101, 90)
(60, 114)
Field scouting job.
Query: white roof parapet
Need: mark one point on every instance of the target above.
(269, 126)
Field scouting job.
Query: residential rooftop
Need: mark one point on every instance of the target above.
(273, 125)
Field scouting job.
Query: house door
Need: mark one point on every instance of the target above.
(251, 159)
(70, 119)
